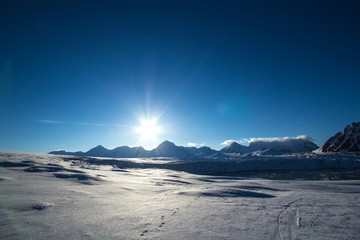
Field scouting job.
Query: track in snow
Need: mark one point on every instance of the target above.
(287, 220)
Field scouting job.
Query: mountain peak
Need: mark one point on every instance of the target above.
(98, 151)
(99, 147)
(166, 143)
(169, 149)
(234, 147)
(235, 144)
(348, 140)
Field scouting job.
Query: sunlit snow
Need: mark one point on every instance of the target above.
(65, 197)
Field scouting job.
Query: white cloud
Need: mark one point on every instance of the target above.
(228, 142)
(247, 141)
(279, 139)
(51, 121)
(88, 124)
(191, 144)
(70, 123)
(244, 141)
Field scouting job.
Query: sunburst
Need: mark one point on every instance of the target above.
(148, 129)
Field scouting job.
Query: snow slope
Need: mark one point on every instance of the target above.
(235, 147)
(46, 197)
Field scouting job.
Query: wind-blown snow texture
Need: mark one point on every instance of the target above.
(67, 197)
(348, 140)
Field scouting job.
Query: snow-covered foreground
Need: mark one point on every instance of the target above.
(45, 197)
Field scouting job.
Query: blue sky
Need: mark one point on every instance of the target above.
(75, 74)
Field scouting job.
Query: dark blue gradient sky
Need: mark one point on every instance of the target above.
(75, 74)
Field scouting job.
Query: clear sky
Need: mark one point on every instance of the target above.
(75, 74)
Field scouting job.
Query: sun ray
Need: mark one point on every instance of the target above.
(148, 129)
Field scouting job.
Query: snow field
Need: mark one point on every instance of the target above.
(45, 197)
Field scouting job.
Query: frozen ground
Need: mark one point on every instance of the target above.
(54, 197)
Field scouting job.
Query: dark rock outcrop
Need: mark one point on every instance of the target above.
(348, 140)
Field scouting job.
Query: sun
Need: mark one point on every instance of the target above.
(148, 129)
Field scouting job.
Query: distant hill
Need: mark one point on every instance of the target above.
(63, 152)
(98, 151)
(272, 147)
(165, 149)
(169, 149)
(236, 148)
(348, 140)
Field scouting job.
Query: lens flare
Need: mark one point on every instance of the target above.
(148, 129)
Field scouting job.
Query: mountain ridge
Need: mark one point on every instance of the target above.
(169, 149)
(347, 140)
(164, 149)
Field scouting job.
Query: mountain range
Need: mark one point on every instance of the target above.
(347, 140)
(165, 149)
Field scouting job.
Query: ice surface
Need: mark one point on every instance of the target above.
(53, 197)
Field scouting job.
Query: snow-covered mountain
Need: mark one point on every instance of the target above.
(284, 146)
(128, 152)
(63, 152)
(139, 152)
(98, 151)
(165, 149)
(205, 152)
(276, 146)
(169, 149)
(235, 147)
(348, 140)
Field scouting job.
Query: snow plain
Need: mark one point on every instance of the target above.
(64, 197)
